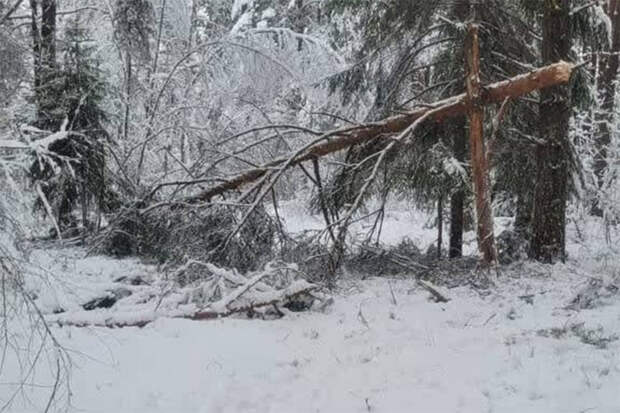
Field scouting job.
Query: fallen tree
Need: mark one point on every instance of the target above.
(339, 139)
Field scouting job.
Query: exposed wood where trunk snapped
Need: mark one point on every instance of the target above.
(337, 140)
(479, 161)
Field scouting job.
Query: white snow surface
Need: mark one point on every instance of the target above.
(381, 347)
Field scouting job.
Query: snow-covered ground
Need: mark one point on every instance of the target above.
(381, 347)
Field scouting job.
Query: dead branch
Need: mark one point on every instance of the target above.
(260, 300)
(437, 296)
(10, 12)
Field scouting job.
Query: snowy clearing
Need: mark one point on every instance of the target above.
(381, 347)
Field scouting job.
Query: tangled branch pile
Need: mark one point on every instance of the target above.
(174, 236)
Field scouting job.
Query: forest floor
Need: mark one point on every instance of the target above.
(382, 346)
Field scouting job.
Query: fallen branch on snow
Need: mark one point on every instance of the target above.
(239, 294)
(437, 296)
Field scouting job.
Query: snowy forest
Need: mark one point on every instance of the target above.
(309, 206)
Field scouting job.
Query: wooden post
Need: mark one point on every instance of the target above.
(479, 161)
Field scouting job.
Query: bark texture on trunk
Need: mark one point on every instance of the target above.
(552, 156)
(479, 162)
(608, 63)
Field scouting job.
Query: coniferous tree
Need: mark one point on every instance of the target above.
(506, 38)
(553, 152)
(74, 171)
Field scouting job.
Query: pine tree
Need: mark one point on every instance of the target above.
(75, 170)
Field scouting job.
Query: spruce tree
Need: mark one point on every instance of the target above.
(74, 171)
(553, 153)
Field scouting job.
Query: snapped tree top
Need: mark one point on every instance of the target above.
(339, 139)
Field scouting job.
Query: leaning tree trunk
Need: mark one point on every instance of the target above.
(552, 155)
(608, 72)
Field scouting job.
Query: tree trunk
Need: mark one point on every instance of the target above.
(457, 201)
(552, 156)
(48, 63)
(36, 53)
(84, 202)
(128, 80)
(439, 225)
(462, 12)
(608, 72)
(479, 162)
(192, 24)
(44, 51)
(299, 23)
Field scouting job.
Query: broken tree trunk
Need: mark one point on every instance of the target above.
(479, 161)
(337, 140)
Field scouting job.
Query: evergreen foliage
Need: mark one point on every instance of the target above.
(75, 169)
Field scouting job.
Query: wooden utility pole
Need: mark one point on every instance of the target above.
(479, 161)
